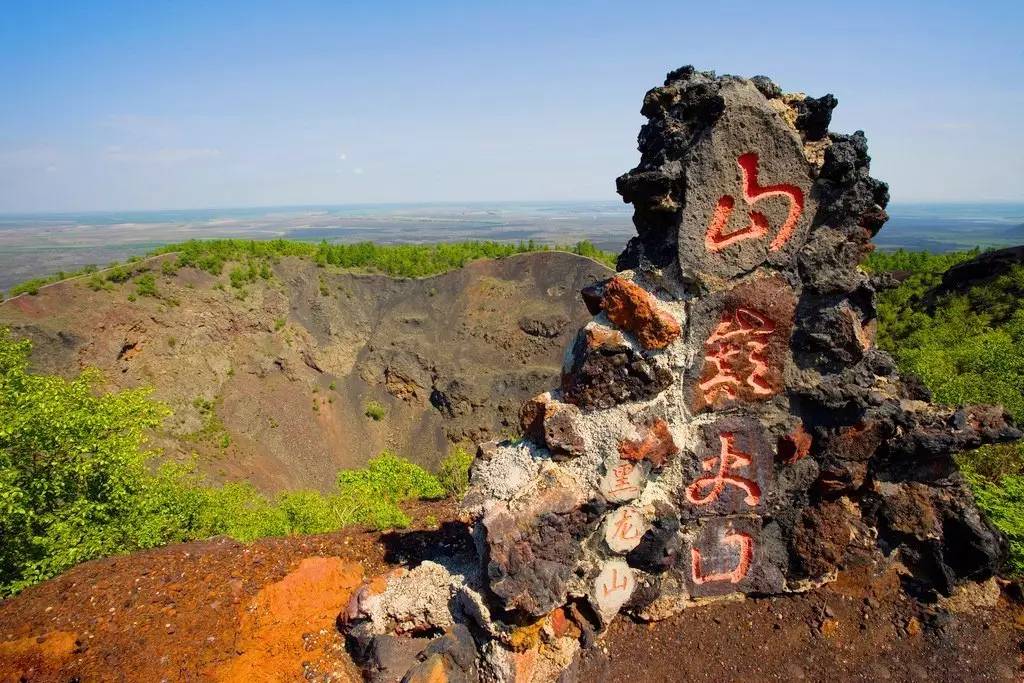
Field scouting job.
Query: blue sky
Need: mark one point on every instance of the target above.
(107, 105)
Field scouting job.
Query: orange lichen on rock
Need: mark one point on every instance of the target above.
(630, 307)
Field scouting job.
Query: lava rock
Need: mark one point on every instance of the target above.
(606, 371)
(630, 307)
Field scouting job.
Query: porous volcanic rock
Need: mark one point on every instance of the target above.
(732, 427)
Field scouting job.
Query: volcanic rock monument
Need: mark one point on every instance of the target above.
(724, 426)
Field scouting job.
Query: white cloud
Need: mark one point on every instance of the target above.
(358, 170)
(342, 156)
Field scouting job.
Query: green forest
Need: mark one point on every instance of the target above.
(251, 259)
(78, 480)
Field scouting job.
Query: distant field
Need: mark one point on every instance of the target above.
(38, 245)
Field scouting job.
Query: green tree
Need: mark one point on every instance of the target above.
(72, 468)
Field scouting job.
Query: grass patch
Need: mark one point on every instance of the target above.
(454, 471)
(145, 285)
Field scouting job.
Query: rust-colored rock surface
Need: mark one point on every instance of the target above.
(631, 307)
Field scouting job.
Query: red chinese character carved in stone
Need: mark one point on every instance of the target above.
(744, 544)
(626, 527)
(717, 239)
(735, 353)
(707, 488)
(623, 482)
(617, 583)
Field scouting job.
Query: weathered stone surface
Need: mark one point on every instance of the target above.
(531, 417)
(821, 537)
(624, 480)
(624, 528)
(795, 446)
(533, 547)
(745, 333)
(735, 554)
(722, 178)
(613, 587)
(562, 430)
(630, 307)
(737, 433)
(730, 471)
(656, 446)
(659, 548)
(606, 371)
(448, 659)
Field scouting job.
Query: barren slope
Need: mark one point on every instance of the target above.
(451, 357)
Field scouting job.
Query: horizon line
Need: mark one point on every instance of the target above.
(471, 202)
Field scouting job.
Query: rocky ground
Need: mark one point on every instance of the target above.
(271, 387)
(223, 611)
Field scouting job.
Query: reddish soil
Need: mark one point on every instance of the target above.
(860, 628)
(220, 610)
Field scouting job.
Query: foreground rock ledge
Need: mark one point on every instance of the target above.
(725, 425)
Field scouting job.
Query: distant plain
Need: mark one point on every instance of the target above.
(34, 245)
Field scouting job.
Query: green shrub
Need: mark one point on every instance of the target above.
(145, 285)
(72, 468)
(118, 274)
(454, 472)
(30, 287)
(33, 286)
(97, 282)
(375, 410)
(371, 496)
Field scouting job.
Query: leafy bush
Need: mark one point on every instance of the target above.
(454, 471)
(72, 468)
(375, 410)
(370, 496)
(29, 286)
(119, 274)
(145, 285)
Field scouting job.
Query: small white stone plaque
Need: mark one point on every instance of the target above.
(613, 587)
(624, 528)
(624, 481)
